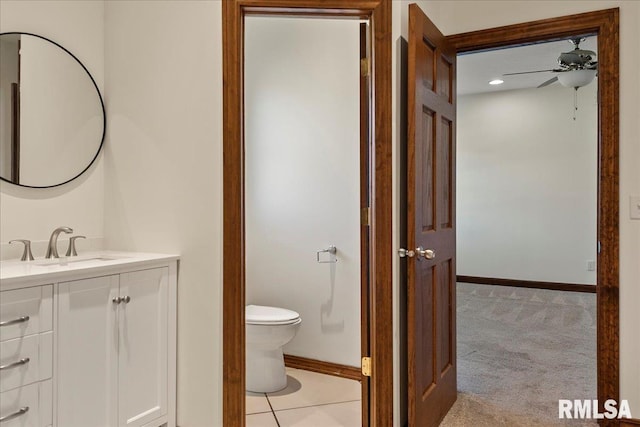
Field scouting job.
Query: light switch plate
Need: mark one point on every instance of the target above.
(634, 207)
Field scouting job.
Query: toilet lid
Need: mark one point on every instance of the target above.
(260, 315)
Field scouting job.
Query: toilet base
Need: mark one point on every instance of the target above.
(265, 372)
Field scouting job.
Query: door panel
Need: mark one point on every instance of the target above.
(444, 324)
(431, 223)
(427, 180)
(424, 311)
(444, 169)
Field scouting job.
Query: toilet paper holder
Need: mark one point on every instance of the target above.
(331, 250)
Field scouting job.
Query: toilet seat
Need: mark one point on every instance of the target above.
(264, 315)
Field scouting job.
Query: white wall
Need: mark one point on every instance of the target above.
(454, 17)
(28, 213)
(163, 163)
(302, 169)
(527, 184)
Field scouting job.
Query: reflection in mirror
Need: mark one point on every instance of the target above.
(51, 113)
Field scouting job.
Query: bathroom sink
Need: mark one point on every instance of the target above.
(76, 261)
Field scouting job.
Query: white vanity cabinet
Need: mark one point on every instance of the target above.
(112, 334)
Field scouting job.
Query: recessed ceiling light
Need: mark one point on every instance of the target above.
(496, 82)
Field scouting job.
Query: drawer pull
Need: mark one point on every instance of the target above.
(16, 414)
(15, 364)
(14, 322)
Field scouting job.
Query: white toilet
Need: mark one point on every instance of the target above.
(267, 330)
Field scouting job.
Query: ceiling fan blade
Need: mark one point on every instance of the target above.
(548, 82)
(528, 72)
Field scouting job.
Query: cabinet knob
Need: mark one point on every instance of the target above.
(126, 299)
(117, 300)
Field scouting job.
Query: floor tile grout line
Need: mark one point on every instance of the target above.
(272, 411)
(254, 413)
(313, 406)
(259, 412)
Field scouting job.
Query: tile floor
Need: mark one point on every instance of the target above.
(310, 400)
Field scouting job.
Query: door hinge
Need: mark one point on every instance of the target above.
(365, 216)
(366, 366)
(364, 67)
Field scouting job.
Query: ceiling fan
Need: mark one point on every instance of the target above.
(576, 68)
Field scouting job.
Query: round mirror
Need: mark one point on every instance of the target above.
(52, 118)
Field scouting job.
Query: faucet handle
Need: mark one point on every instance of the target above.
(26, 255)
(71, 250)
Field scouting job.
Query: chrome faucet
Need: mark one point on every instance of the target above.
(26, 254)
(52, 249)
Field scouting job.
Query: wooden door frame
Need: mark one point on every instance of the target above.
(380, 296)
(604, 23)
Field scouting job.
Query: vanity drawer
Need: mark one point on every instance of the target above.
(20, 407)
(26, 311)
(25, 360)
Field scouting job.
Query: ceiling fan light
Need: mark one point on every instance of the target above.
(576, 78)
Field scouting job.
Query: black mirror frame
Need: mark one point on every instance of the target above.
(104, 113)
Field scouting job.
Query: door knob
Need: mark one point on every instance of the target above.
(405, 253)
(426, 253)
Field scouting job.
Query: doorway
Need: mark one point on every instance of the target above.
(376, 214)
(430, 300)
(527, 197)
(604, 24)
(306, 249)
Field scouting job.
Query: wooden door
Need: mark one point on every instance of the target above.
(365, 202)
(143, 349)
(431, 271)
(87, 361)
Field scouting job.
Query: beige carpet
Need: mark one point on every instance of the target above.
(519, 351)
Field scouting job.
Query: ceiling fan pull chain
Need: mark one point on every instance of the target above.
(575, 102)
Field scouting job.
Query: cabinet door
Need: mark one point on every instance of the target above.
(87, 353)
(143, 348)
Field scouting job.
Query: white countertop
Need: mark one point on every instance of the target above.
(15, 273)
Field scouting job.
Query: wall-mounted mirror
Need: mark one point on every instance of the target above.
(52, 118)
